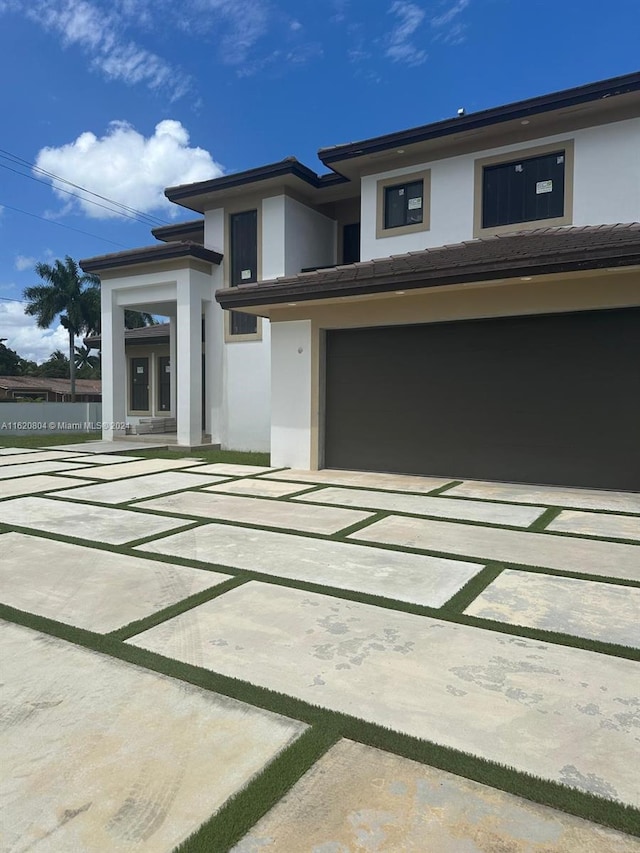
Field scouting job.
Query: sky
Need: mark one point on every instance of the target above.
(126, 97)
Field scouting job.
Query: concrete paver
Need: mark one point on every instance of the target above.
(137, 488)
(83, 521)
(311, 519)
(521, 702)
(366, 479)
(549, 495)
(89, 588)
(543, 550)
(31, 469)
(109, 458)
(119, 758)
(259, 488)
(599, 611)
(482, 511)
(39, 483)
(357, 799)
(430, 581)
(597, 524)
(10, 451)
(101, 446)
(39, 456)
(142, 466)
(232, 470)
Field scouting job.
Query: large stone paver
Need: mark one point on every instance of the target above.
(94, 523)
(544, 550)
(38, 456)
(365, 479)
(260, 488)
(549, 495)
(599, 611)
(483, 511)
(30, 469)
(108, 458)
(357, 799)
(561, 713)
(39, 483)
(406, 577)
(100, 755)
(137, 488)
(89, 588)
(101, 446)
(229, 469)
(10, 451)
(597, 524)
(311, 519)
(142, 466)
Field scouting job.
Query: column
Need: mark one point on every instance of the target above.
(114, 376)
(189, 363)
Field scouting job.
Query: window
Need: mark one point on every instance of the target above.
(243, 250)
(403, 204)
(526, 189)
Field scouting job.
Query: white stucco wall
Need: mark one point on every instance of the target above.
(291, 353)
(606, 188)
(310, 238)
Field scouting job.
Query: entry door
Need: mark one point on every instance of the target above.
(164, 384)
(139, 385)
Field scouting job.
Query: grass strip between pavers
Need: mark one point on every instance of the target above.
(245, 808)
(334, 724)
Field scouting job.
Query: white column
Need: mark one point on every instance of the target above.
(114, 377)
(189, 364)
(172, 366)
(291, 410)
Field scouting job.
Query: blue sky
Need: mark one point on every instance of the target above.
(127, 96)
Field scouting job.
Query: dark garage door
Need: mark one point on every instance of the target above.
(542, 399)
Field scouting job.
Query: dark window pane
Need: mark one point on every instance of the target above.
(523, 190)
(243, 324)
(403, 204)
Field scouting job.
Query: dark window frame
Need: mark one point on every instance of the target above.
(407, 216)
(240, 324)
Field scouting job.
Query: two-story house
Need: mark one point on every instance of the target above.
(458, 299)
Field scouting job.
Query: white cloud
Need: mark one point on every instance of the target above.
(25, 337)
(23, 263)
(400, 45)
(102, 36)
(125, 166)
(448, 29)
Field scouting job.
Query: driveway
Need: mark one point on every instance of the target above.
(322, 661)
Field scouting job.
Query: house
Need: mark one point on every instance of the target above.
(44, 389)
(457, 299)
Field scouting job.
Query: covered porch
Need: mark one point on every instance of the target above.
(180, 386)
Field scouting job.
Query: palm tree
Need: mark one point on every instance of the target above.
(71, 294)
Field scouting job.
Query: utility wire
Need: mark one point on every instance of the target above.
(62, 225)
(75, 195)
(7, 155)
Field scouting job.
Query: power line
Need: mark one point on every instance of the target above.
(62, 225)
(7, 155)
(88, 200)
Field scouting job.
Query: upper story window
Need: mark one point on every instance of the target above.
(403, 204)
(527, 191)
(243, 268)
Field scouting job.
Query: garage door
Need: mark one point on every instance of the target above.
(544, 399)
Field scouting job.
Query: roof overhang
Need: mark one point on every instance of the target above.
(191, 231)
(594, 103)
(521, 255)
(150, 255)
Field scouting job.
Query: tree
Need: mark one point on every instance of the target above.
(71, 294)
(10, 361)
(55, 367)
(87, 365)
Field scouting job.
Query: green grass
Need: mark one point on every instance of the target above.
(47, 440)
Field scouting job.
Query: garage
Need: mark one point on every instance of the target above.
(552, 399)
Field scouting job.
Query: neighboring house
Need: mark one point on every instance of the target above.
(48, 390)
(472, 309)
(148, 388)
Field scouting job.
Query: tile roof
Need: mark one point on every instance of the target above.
(543, 250)
(43, 383)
